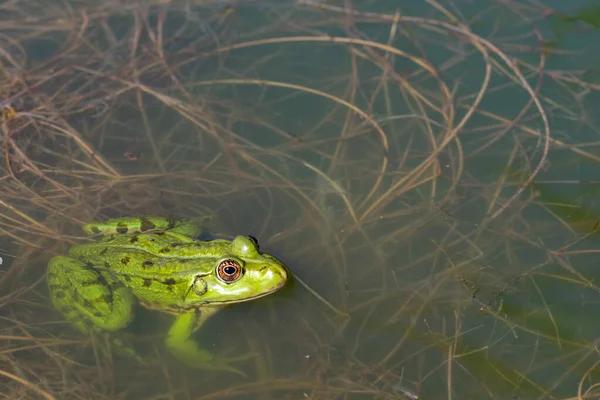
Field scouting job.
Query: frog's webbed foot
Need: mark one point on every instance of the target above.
(115, 343)
(123, 347)
(225, 363)
(181, 344)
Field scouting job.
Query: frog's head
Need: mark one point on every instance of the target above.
(242, 273)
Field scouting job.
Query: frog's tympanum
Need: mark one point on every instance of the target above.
(159, 262)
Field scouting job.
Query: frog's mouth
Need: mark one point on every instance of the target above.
(263, 293)
(244, 300)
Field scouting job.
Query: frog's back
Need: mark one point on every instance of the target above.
(158, 244)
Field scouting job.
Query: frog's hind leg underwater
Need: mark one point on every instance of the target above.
(90, 300)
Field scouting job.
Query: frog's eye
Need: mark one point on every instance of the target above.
(254, 240)
(229, 271)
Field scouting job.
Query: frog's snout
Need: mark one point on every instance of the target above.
(279, 275)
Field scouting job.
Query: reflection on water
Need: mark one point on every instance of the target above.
(424, 173)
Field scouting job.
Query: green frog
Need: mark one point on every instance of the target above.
(159, 262)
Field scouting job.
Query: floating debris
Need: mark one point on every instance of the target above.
(130, 156)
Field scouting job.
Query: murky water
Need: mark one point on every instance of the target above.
(427, 171)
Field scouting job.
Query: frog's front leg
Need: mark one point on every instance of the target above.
(180, 343)
(92, 301)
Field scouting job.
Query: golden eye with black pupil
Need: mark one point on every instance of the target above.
(254, 240)
(229, 271)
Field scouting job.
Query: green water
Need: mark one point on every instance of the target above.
(380, 158)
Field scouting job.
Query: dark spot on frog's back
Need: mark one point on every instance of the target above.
(125, 260)
(170, 281)
(127, 278)
(165, 250)
(134, 239)
(147, 282)
(147, 264)
(146, 225)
